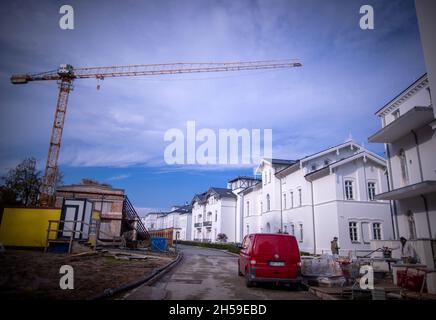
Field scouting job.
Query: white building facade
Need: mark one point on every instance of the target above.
(179, 218)
(408, 132)
(214, 213)
(325, 195)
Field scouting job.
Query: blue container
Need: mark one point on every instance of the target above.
(58, 247)
(159, 244)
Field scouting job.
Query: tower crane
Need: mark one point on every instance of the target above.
(65, 75)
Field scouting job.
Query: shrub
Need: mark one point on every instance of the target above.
(222, 246)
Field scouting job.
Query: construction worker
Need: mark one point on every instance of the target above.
(408, 253)
(335, 248)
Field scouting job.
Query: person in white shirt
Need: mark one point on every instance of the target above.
(408, 253)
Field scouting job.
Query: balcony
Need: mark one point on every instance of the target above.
(207, 223)
(414, 190)
(411, 120)
(197, 224)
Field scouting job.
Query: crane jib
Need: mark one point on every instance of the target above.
(65, 75)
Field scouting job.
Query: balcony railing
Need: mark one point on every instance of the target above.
(197, 224)
(207, 223)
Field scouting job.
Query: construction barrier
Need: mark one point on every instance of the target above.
(163, 233)
(27, 227)
(159, 244)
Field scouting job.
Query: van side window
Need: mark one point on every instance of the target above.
(245, 243)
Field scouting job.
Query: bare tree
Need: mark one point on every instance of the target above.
(24, 181)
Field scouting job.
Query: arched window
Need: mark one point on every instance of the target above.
(248, 208)
(268, 228)
(403, 165)
(268, 203)
(412, 226)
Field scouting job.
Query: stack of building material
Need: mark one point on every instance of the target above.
(322, 271)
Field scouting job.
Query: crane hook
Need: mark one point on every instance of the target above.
(99, 77)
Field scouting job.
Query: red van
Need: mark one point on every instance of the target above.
(268, 257)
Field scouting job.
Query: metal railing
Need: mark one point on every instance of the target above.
(72, 237)
(130, 215)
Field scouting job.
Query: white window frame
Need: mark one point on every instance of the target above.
(301, 234)
(349, 188)
(379, 229)
(355, 228)
(372, 189)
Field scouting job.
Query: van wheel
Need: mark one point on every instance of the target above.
(248, 282)
(239, 270)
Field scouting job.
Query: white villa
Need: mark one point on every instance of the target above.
(324, 195)
(327, 194)
(214, 212)
(408, 131)
(178, 218)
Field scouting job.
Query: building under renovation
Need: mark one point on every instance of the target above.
(117, 215)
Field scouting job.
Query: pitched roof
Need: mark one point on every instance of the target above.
(320, 153)
(243, 178)
(374, 157)
(221, 192)
(183, 209)
(405, 92)
(200, 197)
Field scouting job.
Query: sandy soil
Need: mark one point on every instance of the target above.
(35, 275)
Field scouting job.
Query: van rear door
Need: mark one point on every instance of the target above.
(277, 256)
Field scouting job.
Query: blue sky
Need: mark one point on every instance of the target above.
(115, 134)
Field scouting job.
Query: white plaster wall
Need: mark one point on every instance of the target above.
(362, 212)
(226, 218)
(416, 206)
(408, 144)
(301, 216)
(427, 149)
(419, 99)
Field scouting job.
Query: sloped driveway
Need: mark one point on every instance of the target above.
(207, 274)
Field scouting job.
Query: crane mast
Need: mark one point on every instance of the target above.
(66, 74)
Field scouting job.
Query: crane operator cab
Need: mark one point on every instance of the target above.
(65, 70)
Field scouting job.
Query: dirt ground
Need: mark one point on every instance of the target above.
(35, 275)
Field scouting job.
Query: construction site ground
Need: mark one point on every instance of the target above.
(26, 274)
